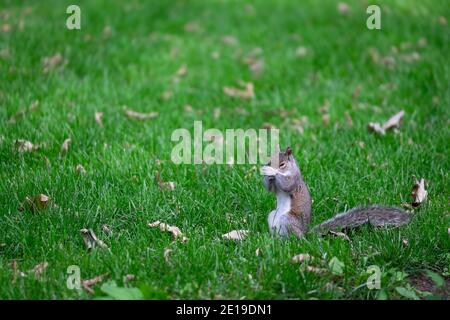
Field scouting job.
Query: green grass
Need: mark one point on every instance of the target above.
(135, 65)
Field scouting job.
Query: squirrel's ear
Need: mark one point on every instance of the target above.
(288, 151)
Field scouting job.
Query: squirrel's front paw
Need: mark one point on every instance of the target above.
(268, 171)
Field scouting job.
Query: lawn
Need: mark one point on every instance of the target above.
(319, 75)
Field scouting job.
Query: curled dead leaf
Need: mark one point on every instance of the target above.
(246, 93)
(139, 115)
(34, 105)
(91, 240)
(23, 146)
(65, 146)
(312, 269)
(393, 123)
(167, 252)
(302, 257)
(340, 235)
(235, 235)
(106, 229)
(36, 203)
(98, 118)
(50, 63)
(419, 194)
(166, 185)
(39, 269)
(175, 231)
(87, 284)
(230, 40)
(343, 8)
(80, 169)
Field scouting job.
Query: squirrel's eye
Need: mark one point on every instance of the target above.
(283, 164)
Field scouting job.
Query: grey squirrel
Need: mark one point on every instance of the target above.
(292, 215)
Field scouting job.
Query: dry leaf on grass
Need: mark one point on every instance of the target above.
(343, 8)
(230, 40)
(91, 240)
(166, 185)
(98, 118)
(419, 194)
(393, 123)
(80, 169)
(175, 231)
(87, 284)
(182, 71)
(139, 115)
(348, 118)
(192, 26)
(167, 252)
(50, 63)
(376, 127)
(106, 229)
(39, 269)
(65, 146)
(235, 235)
(16, 272)
(246, 93)
(34, 105)
(302, 257)
(340, 235)
(23, 146)
(326, 119)
(36, 203)
(301, 51)
(312, 269)
(257, 252)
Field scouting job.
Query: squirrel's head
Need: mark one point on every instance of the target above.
(286, 161)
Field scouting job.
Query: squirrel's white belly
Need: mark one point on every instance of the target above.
(277, 217)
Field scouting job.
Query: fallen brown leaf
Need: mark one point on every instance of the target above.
(192, 27)
(128, 278)
(106, 229)
(393, 123)
(167, 252)
(91, 240)
(98, 118)
(166, 185)
(326, 119)
(87, 284)
(39, 269)
(343, 8)
(301, 51)
(34, 105)
(247, 93)
(348, 118)
(235, 235)
(340, 235)
(23, 146)
(37, 203)
(419, 194)
(80, 169)
(175, 231)
(139, 115)
(65, 146)
(302, 257)
(50, 63)
(313, 269)
(230, 40)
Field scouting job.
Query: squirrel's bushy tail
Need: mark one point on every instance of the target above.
(375, 215)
